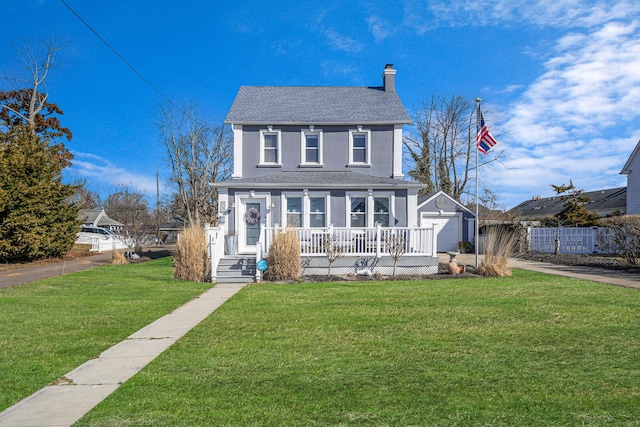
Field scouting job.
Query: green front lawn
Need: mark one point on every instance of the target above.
(48, 328)
(530, 349)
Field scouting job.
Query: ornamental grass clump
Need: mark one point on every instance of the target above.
(190, 256)
(501, 244)
(118, 258)
(284, 257)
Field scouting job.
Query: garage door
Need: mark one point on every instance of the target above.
(448, 231)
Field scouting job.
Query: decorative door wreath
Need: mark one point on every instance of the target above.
(252, 216)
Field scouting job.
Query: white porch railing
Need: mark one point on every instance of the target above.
(566, 240)
(365, 242)
(215, 245)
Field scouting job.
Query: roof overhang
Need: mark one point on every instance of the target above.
(442, 193)
(307, 123)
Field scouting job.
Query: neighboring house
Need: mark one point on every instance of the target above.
(171, 229)
(312, 157)
(98, 218)
(603, 202)
(632, 170)
(455, 223)
(98, 230)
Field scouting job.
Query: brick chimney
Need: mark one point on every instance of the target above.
(389, 78)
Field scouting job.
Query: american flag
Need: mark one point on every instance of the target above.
(485, 140)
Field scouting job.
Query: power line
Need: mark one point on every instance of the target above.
(131, 67)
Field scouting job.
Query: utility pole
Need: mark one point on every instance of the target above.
(157, 207)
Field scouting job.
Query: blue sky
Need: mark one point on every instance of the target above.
(559, 79)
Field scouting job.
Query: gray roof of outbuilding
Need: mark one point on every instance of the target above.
(317, 179)
(316, 105)
(610, 199)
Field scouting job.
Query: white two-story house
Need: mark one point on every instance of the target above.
(320, 158)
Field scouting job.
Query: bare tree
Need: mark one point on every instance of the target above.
(443, 145)
(397, 246)
(27, 103)
(131, 209)
(333, 249)
(197, 155)
(84, 198)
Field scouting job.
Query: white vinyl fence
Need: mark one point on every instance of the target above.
(567, 240)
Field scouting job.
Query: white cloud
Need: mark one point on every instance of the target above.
(579, 119)
(101, 171)
(343, 43)
(590, 86)
(379, 28)
(541, 13)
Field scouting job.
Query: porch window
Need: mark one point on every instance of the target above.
(294, 211)
(381, 211)
(358, 212)
(317, 212)
(270, 152)
(306, 209)
(370, 209)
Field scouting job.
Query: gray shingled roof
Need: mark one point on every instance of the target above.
(317, 179)
(316, 105)
(611, 199)
(90, 216)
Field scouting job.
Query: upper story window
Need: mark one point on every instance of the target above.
(270, 148)
(311, 149)
(359, 147)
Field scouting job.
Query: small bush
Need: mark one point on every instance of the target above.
(465, 247)
(500, 245)
(622, 237)
(284, 257)
(190, 256)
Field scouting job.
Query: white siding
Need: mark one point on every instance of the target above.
(633, 188)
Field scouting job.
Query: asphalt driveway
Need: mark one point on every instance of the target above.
(26, 274)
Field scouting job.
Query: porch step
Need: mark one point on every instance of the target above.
(236, 269)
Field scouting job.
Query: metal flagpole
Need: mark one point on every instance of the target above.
(477, 221)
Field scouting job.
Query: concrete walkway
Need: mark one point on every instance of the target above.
(601, 275)
(21, 275)
(65, 401)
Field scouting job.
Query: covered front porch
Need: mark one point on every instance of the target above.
(356, 250)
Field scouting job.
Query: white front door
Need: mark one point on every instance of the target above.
(252, 218)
